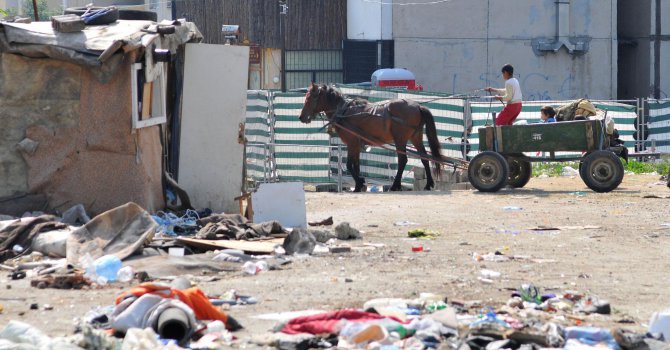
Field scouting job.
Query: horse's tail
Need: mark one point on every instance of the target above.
(431, 133)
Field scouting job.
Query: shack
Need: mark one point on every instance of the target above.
(83, 115)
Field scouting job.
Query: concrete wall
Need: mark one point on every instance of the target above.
(86, 150)
(460, 46)
(369, 20)
(215, 99)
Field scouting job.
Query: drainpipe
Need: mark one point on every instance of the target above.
(563, 20)
(657, 51)
(575, 45)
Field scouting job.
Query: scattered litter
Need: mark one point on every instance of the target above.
(261, 246)
(569, 171)
(176, 251)
(423, 233)
(376, 245)
(486, 273)
(512, 208)
(405, 223)
(558, 228)
(325, 222)
(340, 249)
(299, 241)
(516, 196)
(492, 257)
(655, 196)
(254, 268)
(344, 231)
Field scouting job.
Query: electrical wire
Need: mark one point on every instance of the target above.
(435, 2)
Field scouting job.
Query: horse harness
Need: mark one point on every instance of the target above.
(340, 113)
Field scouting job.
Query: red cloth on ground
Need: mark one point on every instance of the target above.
(193, 297)
(508, 114)
(326, 322)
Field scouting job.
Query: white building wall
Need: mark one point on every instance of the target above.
(460, 46)
(369, 20)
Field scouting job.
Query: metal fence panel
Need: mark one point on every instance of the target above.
(659, 124)
(258, 134)
(300, 150)
(280, 145)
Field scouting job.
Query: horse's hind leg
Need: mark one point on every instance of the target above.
(417, 141)
(402, 161)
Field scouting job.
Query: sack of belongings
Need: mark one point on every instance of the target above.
(579, 108)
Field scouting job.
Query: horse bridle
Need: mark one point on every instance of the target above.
(312, 100)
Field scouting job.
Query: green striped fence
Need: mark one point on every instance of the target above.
(301, 151)
(258, 133)
(625, 117)
(284, 149)
(659, 125)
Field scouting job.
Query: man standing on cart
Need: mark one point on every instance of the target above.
(511, 95)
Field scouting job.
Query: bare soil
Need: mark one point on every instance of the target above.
(625, 260)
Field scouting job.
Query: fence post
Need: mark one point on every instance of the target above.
(265, 162)
(653, 146)
(339, 168)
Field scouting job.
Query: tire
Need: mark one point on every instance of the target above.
(488, 171)
(108, 18)
(520, 172)
(602, 171)
(138, 15)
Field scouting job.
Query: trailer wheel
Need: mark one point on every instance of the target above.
(602, 171)
(520, 172)
(488, 171)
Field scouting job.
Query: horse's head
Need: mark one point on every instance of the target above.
(313, 104)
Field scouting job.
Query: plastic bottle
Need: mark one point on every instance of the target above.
(125, 274)
(215, 327)
(485, 273)
(107, 267)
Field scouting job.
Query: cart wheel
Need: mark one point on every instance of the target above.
(488, 171)
(520, 172)
(602, 171)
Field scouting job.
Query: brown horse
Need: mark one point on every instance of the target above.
(359, 123)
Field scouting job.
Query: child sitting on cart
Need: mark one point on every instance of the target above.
(548, 114)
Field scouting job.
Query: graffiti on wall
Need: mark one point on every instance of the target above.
(536, 86)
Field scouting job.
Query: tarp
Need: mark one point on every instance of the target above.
(120, 231)
(92, 46)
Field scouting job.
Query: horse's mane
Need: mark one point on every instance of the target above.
(334, 96)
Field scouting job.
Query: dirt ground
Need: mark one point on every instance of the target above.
(624, 260)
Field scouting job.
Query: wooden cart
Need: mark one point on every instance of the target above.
(502, 161)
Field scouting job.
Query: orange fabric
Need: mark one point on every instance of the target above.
(193, 297)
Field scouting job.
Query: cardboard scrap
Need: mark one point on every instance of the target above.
(558, 228)
(261, 246)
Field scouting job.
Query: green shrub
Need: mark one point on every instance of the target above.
(555, 168)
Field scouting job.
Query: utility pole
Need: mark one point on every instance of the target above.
(283, 12)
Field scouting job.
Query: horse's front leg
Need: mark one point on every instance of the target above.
(360, 180)
(353, 165)
(402, 161)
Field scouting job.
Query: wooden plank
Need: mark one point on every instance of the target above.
(261, 246)
(147, 95)
(590, 142)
